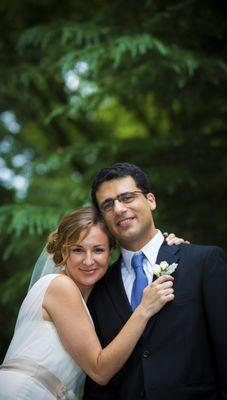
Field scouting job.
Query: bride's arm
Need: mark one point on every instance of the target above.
(64, 305)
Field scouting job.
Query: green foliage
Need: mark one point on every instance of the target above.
(18, 219)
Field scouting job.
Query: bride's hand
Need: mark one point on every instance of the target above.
(171, 239)
(156, 295)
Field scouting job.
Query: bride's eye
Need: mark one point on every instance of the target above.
(77, 250)
(99, 250)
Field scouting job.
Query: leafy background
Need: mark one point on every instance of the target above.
(88, 83)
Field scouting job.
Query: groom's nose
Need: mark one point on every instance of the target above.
(119, 206)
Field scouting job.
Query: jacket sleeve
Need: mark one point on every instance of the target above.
(215, 302)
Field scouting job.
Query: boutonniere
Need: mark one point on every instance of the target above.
(164, 268)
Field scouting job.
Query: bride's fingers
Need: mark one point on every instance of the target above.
(175, 240)
(160, 288)
(163, 278)
(171, 238)
(171, 235)
(166, 284)
(168, 291)
(169, 297)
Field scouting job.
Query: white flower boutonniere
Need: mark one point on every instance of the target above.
(164, 268)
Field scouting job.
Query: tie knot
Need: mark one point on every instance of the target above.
(137, 260)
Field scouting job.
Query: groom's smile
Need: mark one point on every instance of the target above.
(125, 222)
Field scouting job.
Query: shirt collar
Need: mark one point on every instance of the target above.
(152, 246)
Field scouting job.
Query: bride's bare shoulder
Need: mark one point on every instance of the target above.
(62, 285)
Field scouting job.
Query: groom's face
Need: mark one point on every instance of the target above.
(131, 223)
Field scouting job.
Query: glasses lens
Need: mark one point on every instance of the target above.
(127, 197)
(107, 206)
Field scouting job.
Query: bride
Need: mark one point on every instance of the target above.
(54, 339)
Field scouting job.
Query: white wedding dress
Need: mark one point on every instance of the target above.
(37, 340)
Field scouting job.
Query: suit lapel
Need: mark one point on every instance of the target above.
(171, 255)
(168, 253)
(116, 290)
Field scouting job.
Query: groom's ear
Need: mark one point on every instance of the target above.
(152, 202)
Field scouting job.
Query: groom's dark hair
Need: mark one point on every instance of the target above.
(119, 170)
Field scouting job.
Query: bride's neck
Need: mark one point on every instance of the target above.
(85, 291)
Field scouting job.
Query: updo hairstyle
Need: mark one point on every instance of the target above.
(69, 230)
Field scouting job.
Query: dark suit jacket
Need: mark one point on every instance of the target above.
(182, 354)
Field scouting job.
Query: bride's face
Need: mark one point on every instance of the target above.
(88, 258)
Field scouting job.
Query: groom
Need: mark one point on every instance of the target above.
(182, 354)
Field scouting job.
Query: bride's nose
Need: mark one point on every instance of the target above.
(88, 259)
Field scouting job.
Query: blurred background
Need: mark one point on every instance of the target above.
(85, 84)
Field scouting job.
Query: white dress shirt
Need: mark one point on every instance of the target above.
(150, 250)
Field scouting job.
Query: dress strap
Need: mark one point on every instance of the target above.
(41, 374)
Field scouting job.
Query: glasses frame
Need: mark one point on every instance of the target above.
(119, 198)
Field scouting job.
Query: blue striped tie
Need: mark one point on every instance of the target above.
(140, 281)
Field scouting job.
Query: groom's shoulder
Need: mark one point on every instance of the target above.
(200, 249)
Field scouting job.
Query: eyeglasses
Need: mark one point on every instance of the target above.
(124, 198)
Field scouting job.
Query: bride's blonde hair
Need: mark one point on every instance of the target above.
(69, 231)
